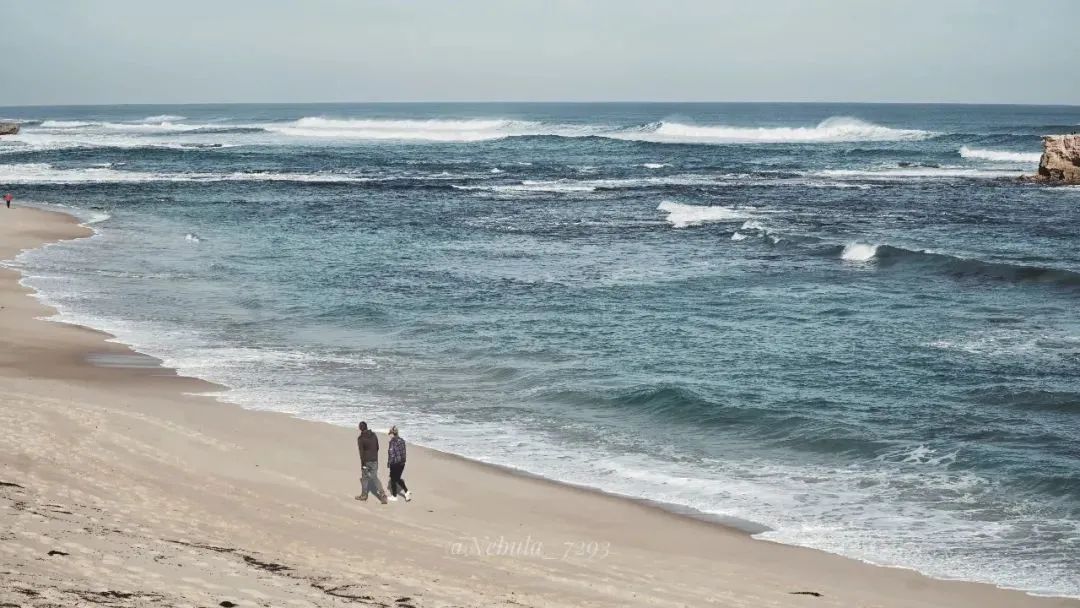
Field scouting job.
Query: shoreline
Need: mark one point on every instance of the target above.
(657, 556)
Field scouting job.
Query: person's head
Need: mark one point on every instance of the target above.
(393, 431)
(363, 426)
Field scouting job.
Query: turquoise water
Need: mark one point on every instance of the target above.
(847, 323)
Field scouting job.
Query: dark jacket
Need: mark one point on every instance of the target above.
(396, 453)
(368, 443)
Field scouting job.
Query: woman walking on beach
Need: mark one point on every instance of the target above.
(396, 461)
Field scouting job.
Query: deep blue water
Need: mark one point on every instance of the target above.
(849, 323)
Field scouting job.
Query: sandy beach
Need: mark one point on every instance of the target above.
(121, 488)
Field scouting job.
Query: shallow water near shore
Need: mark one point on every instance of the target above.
(845, 322)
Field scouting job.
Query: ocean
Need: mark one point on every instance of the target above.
(846, 327)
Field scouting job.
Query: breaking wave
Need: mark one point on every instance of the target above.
(958, 267)
(1001, 156)
(426, 130)
(594, 185)
(858, 252)
(145, 126)
(64, 124)
(905, 173)
(43, 173)
(530, 186)
(682, 216)
(164, 118)
(835, 129)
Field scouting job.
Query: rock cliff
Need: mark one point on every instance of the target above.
(9, 128)
(1060, 162)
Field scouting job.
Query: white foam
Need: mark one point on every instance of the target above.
(835, 129)
(143, 126)
(64, 124)
(655, 165)
(592, 185)
(527, 186)
(426, 130)
(891, 173)
(61, 139)
(1001, 156)
(681, 215)
(920, 454)
(192, 238)
(42, 173)
(1013, 343)
(738, 236)
(164, 118)
(86, 216)
(95, 217)
(858, 252)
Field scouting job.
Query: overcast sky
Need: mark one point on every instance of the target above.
(147, 51)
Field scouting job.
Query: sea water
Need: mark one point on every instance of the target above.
(848, 323)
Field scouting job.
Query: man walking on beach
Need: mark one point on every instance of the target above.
(7, 199)
(368, 443)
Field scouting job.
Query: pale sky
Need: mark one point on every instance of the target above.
(147, 51)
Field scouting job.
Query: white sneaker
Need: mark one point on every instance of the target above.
(392, 498)
(408, 497)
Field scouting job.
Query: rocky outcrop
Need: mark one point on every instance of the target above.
(9, 128)
(1060, 162)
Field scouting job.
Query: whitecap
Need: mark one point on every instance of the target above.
(469, 130)
(681, 215)
(859, 252)
(64, 124)
(893, 173)
(44, 173)
(164, 118)
(835, 129)
(1001, 156)
(526, 186)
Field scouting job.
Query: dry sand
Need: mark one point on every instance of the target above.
(119, 489)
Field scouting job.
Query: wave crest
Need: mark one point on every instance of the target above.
(44, 173)
(164, 118)
(835, 129)
(958, 267)
(408, 129)
(681, 215)
(1001, 156)
(859, 252)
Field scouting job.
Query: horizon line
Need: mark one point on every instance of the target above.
(538, 102)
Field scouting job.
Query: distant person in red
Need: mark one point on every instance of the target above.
(7, 199)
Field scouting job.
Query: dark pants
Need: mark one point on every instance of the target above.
(395, 479)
